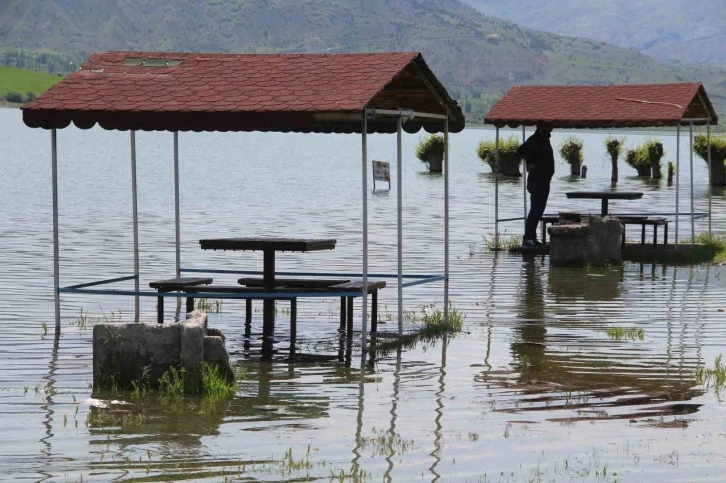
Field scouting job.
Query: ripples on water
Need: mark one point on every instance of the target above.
(535, 390)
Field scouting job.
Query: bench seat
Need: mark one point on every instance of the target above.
(643, 222)
(290, 282)
(358, 286)
(172, 285)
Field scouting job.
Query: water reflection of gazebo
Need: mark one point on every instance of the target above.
(563, 360)
(608, 107)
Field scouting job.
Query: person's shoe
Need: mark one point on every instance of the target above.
(539, 243)
(529, 244)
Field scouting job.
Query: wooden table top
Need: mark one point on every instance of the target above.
(609, 195)
(265, 244)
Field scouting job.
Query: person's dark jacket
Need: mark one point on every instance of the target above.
(538, 154)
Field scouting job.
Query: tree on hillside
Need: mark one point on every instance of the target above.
(14, 97)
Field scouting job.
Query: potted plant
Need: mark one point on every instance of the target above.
(655, 151)
(509, 161)
(571, 151)
(718, 156)
(638, 158)
(646, 158)
(430, 150)
(614, 147)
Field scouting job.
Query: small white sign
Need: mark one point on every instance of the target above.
(381, 172)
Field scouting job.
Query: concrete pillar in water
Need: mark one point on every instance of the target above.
(127, 354)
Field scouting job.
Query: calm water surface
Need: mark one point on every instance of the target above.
(534, 390)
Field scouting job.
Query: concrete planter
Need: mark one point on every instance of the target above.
(575, 168)
(604, 240)
(596, 241)
(509, 164)
(126, 354)
(435, 161)
(568, 244)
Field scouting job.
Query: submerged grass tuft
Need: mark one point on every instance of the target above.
(171, 383)
(715, 378)
(210, 306)
(707, 249)
(619, 333)
(176, 383)
(215, 384)
(433, 322)
(505, 242)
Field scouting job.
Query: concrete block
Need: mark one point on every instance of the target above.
(216, 353)
(141, 353)
(604, 240)
(568, 244)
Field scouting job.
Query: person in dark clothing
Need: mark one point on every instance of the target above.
(537, 153)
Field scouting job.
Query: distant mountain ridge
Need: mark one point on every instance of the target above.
(683, 31)
(477, 57)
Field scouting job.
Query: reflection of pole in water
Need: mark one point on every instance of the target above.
(699, 319)
(263, 388)
(489, 307)
(669, 322)
(394, 415)
(436, 453)
(354, 468)
(49, 390)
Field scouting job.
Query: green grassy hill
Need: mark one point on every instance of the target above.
(477, 57)
(25, 81)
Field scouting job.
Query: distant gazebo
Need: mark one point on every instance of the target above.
(608, 106)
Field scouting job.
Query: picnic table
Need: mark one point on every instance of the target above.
(605, 196)
(269, 247)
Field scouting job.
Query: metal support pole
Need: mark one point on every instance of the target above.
(678, 172)
(710, 188)
(446, 220)
(134, 207)
(56, 261)
(399, 193)
(364, 186)
(496, 192)
(693, 220)
(176, 204)
(524, 178)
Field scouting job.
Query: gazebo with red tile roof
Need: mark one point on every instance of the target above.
(607, 106)
(309, 93)
(245, 92)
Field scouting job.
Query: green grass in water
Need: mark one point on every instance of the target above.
(715, 378)
(619, 333)
(210, 306)
(175, 383)
(433, 323)
(708, 249)
(506, 242)
(433, 328)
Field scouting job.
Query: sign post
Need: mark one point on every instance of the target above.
(381, 172)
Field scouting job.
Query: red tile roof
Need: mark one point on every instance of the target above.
(644, 105)
(182, 91)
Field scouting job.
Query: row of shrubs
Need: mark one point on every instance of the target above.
(17, 97)
(645, 159)
(570, 150)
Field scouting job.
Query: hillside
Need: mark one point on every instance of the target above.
(477, 57)
(25, 81)
(681, 31)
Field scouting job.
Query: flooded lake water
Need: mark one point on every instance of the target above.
(533, 390)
